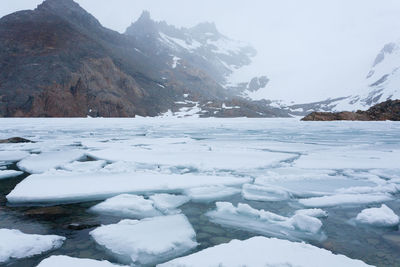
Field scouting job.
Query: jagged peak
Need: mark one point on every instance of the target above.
(69, 10)
(387, 49)
(143, 25)
(205, 27)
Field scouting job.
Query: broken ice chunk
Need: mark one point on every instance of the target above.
(66, 261)
(127, 206)
(39, 163)
(16, 245)
(299, 226)
(167, 203)
(344, 199)
(317, 213)
(13, 156)
(264, 193)
(148, 241)
(9, 174)
(383, 216)
(210, 193)
(262, 251)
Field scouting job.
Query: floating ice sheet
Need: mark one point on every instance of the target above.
(299, 226)
(127, 206)
(39, 163)
(16, 245)
(264, 193)
(345, 199)
(148, 241)
(167, 203)
(65, 261)
(383, 216)
(61, 186)
(86, 166)
(210, 193)
(208, 159)
(9, 174)
(13, 156)
(355, 157)
(262, 251)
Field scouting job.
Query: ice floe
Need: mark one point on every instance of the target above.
(9, 174)
(62, 186)
(167, 203)
(13, 156)
(203, 158)
(210, 193)
(383, 216)
(39, 163)
(66, 261)
(262, 251)
(16, 245)
(127, 206)
(344, 199)
(148, 241)
(264, 193)
(317, 213)
(350, 158)
(86, 166)
(299, 226)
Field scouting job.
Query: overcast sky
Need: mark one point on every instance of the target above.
(311, 49)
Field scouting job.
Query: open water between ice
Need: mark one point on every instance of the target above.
(275, 166)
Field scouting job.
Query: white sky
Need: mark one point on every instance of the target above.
(311, 49)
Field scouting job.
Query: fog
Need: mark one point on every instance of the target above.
(311, 49)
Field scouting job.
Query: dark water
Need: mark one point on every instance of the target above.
(376, 246)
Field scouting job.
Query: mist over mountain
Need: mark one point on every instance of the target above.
(58, 60)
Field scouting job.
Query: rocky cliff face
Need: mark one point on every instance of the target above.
(388, 110)
(58, 60)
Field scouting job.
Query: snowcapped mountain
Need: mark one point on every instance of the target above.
(203, 46)
(382, 83)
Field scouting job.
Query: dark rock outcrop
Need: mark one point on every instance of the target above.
(15, 140)
(388, 110)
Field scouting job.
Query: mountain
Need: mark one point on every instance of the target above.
(59, 61)
(382, 83)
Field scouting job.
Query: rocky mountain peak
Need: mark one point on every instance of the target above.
(68, 10)
(143, 27)
(387, 49)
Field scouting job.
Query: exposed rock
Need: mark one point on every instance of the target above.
(59, 61)
(15, 140)
(389, 110)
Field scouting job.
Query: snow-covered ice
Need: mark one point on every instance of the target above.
(245, 217)
(210, 193)
(264, 193)
(16, 245)
(61, 186)
(9, 174)
(127, 206)
(203, 158)
(66, 261)
(345, 199)
(148, 241)
(12, 156)
(261, 252)
(167, 203)
(39, 163)
(383, 216)
(317, 213)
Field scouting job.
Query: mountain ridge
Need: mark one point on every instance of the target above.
(58, 60)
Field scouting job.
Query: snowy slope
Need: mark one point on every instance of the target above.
(382, 83)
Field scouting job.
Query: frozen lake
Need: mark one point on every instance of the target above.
(184, 185)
